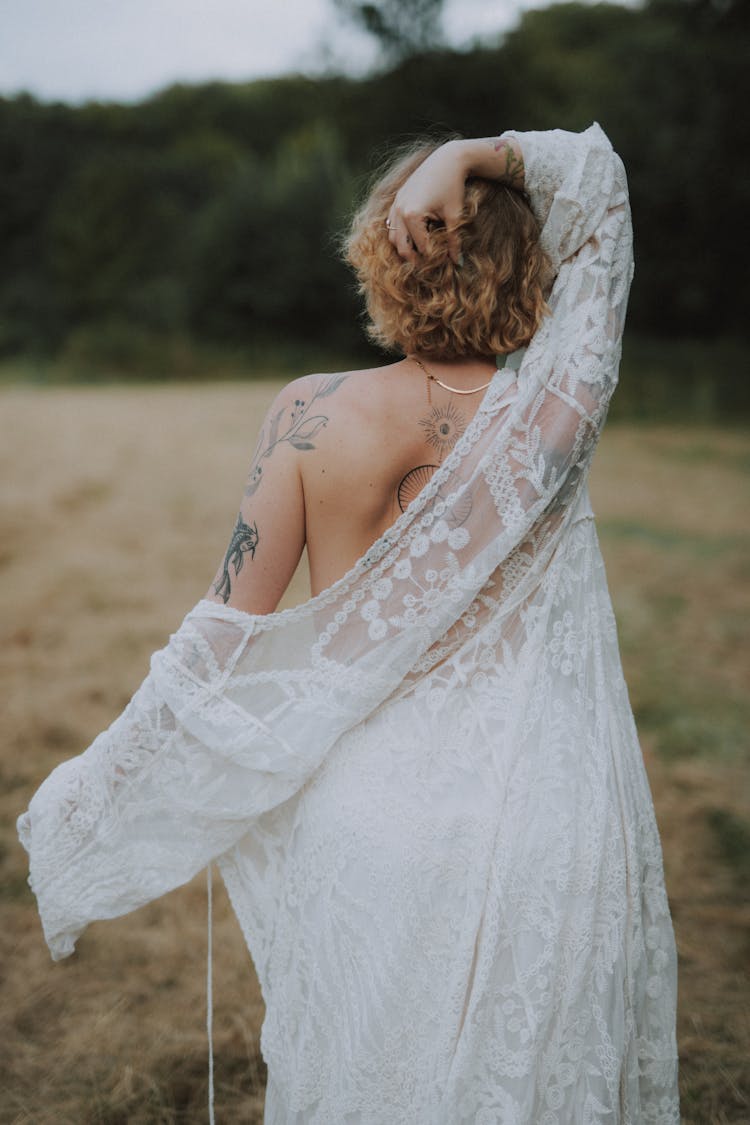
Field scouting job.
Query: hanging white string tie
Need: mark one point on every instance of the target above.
(210, 1003)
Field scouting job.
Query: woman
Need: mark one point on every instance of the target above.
(423, 787)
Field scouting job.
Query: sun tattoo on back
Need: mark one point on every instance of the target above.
(442, 427)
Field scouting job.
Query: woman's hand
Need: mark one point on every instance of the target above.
(434, 193)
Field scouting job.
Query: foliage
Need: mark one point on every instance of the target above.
(401, 27)
(209, 215)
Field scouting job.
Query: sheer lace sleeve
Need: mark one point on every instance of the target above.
(238, 710)
(578, 191)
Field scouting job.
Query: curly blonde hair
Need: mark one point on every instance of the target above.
(492, 304)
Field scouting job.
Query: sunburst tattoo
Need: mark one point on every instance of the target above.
(416, 480)
(443, 427)
(413, 483)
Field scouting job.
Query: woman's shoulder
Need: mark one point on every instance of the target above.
(373, 376)
(353, 390)
(349, 416)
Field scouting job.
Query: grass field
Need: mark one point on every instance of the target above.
(116, 507)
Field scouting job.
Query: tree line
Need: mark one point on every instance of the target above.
(210, 215)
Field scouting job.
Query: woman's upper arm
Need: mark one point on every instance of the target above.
(268, 535)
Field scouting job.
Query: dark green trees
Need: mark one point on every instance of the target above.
(212, 213)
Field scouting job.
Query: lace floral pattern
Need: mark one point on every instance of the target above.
(423, 787)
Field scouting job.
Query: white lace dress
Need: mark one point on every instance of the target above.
(424, 788)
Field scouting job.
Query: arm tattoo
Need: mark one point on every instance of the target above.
(302, 427)
(514, 169)
(244, 541)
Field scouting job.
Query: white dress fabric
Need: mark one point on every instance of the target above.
(424, 787)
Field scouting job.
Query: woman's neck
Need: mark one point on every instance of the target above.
(460, 368)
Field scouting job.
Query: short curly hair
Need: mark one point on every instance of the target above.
(491, 305)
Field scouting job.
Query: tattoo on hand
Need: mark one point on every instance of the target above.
(302, 428)
(244, 541)
(514, 170)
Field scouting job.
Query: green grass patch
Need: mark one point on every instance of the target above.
(682, 380)
(732, 835)
(685, 381)
(701, 453)
(694, 728)
(670, 538)
(166, 360)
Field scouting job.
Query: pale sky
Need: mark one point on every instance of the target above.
(74, 50)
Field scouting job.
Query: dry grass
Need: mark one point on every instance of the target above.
(116, 508)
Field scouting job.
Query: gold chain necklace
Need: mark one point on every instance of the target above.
(434, 379)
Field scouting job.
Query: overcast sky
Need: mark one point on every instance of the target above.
(73, 50)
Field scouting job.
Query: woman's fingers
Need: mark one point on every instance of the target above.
(433, 195)
(405, 243)
(410, 233)
(416, 229)
(402, 236)
(407, 233)
(454, 243)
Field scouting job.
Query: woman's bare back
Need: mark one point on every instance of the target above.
(383, 437)
(339, 457)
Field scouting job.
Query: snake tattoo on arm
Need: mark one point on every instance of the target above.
(244, 541)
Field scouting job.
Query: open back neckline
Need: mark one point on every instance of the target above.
(498, 385)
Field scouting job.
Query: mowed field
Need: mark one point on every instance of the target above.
(117, 504)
